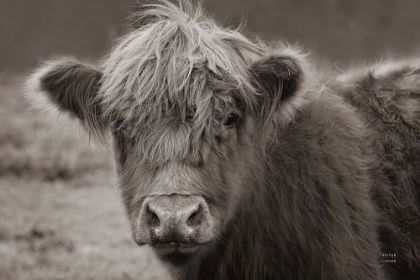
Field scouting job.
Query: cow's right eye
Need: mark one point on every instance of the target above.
(119, 124)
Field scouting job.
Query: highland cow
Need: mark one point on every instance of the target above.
(235, 161)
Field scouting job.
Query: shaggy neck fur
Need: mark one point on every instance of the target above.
(286, 181)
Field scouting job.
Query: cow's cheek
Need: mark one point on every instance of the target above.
(134, 185)
(223, 188)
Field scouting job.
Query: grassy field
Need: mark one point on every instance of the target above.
(60, 212)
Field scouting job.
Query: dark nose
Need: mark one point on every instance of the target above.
(175, 219)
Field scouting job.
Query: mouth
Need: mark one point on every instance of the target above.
(175, 247)
(176, 253)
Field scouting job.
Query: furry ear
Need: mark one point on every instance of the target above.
(280, 80)
(67, 85)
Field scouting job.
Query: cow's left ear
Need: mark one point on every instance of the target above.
(69, 86)
(280, 79)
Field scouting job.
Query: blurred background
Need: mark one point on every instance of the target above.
(337, 30)
(60, 213)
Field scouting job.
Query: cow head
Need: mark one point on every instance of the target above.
(190, 108)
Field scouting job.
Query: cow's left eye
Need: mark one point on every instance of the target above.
(230, 120)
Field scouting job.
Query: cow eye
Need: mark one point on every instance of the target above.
(119, 124)
(230, 120)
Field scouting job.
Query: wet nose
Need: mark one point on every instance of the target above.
(176, 219)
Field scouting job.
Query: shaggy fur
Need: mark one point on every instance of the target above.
(303, 179)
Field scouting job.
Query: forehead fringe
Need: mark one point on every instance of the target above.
(175, 60)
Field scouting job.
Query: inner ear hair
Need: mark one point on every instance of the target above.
(284, 83)
(278, 75)
(70, 86)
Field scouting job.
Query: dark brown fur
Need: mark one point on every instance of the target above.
(390, 107)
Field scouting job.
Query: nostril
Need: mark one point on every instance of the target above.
(152, 218)
(174, 218)
(195, 217)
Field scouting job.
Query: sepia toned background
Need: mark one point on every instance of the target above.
(60, 212)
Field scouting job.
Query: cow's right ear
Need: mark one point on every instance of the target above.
(67, 85)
